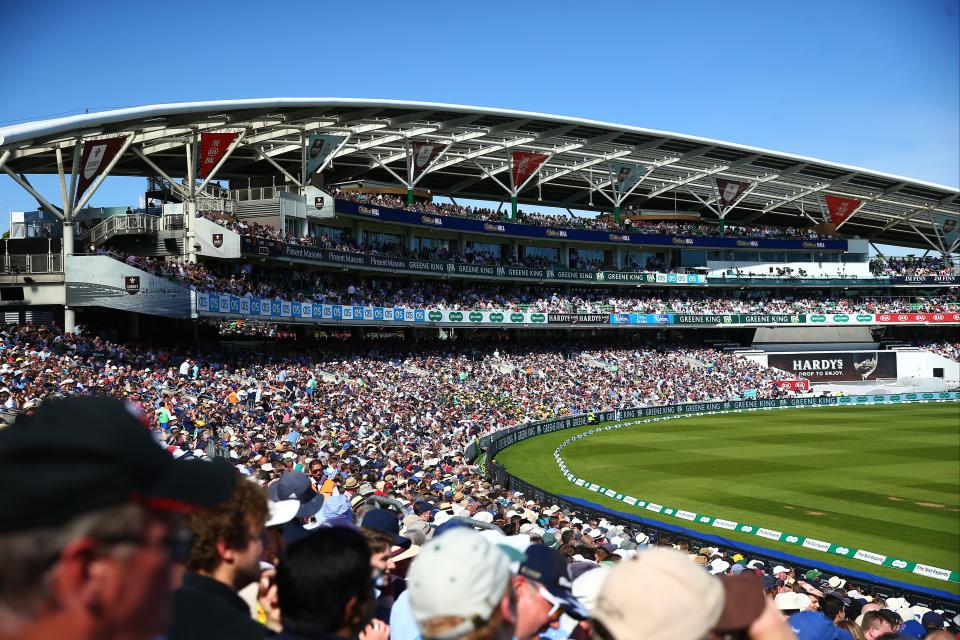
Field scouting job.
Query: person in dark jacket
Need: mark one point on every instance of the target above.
(224, 558)
(325, 588)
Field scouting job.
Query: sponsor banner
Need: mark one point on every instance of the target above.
(831, 366)
(470, 225)
(885, 318)
(948, 280)
(792, 385)
(948, 226)
(729, 191)
(94, 158)
(626, 176)
(213, 146)
(578, 318)
(840, 209)
(525, 164)
(272, 248)
(213, 303)
(738, 318)
(319, 148)
(641, 318)
(422, 155)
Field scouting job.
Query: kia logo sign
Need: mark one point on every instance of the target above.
(903, 318)
(885, 318)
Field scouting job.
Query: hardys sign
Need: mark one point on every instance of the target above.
(832, 366)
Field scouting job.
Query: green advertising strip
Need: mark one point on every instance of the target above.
(773, 535)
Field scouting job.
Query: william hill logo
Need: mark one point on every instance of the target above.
(616, 237)
(434, 220)
(813, 245)
(556, 233)
(747, 243)
(683, 241)
(499, 228)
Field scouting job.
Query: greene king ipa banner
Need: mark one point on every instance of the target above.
(835, 365)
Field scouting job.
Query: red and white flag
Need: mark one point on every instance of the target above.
(424, 153)
(212, 148)
(94, 158)
(525, 164)
(840, 209)
(730, 190)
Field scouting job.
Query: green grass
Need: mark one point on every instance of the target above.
(883, 479)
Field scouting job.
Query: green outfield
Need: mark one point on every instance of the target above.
(884, 479)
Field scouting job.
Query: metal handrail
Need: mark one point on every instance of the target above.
(135, 224)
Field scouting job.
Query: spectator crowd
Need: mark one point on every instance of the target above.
(599, 223)
(337, 501)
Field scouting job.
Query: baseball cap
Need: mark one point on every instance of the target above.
(281, 512)
(743, 599)
(658, 595)
(77, 455)
(813, 625)
(549, 569)
(932, 619)
(387, 522)
(780, 569)
(294, 485)
(459, 575)
(771, 582)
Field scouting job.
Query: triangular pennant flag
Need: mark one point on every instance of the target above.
(626, 176)
(525, 164)
(319, 148)
(949, 226)
(729, 191)
(213, 146)
(94, 158)
(424, 153)
(840, 209)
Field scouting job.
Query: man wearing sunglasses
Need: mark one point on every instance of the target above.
(542, 587)
(89, 524)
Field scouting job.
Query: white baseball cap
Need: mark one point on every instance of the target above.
(457, 575)
(281, 512)
(779, 569)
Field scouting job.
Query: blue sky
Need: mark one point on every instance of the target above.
(872, 83)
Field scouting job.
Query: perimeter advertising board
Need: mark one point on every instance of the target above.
(837, 366)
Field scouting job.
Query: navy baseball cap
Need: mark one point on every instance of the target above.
(813, 625)
(549, 569)
(77, 455)
(294, 485)
(387, 522)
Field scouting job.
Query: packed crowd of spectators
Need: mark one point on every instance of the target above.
(949, 349)
(879, 266)
(244, 279)
(910, 266)
(329, 437)
(604, 223)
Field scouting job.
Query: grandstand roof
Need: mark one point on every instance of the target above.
(785, 189)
